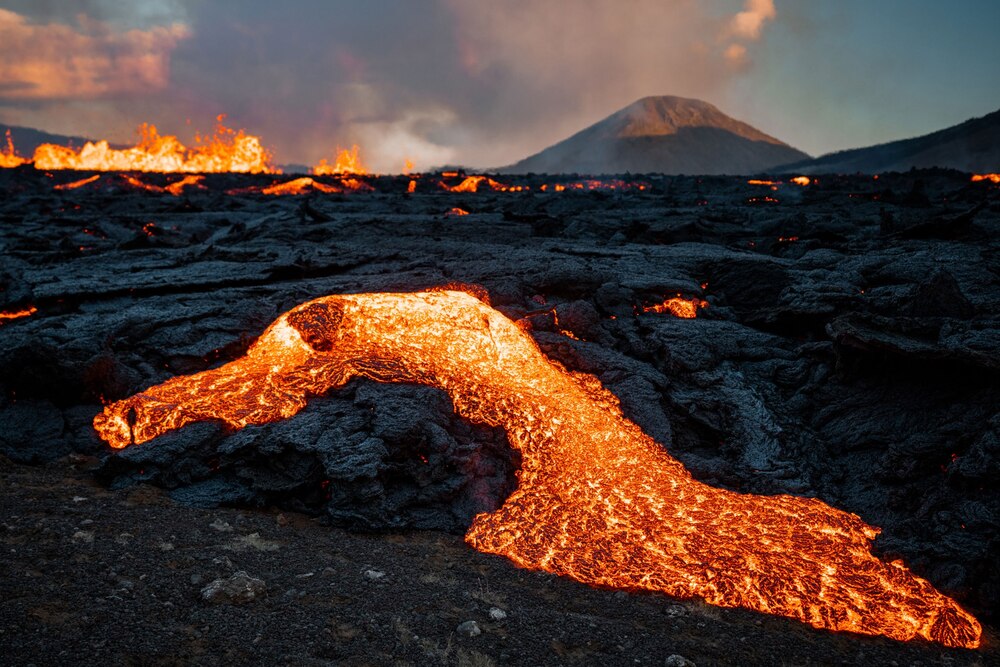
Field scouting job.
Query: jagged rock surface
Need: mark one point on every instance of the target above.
(850, 349)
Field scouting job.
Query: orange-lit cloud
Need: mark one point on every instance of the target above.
(749, 23)
(92, 59)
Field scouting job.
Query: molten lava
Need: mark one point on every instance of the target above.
(678, 306)
(9, 157)
(456, 211)
(17, 314)
(802, 180)
(176, 188)
(993, 178)
(73, 185)
(227, 151)
(472, 184)
(299, 186)
(346, 162)
(597, 499)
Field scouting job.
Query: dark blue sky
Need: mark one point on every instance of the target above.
(486, 83)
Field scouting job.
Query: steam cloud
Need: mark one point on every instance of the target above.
(476, 83)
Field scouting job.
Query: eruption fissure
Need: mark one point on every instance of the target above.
(597, 500)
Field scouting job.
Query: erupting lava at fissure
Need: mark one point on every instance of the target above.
(227, 151)
(597, 499)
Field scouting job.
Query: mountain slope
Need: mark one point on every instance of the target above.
(665, 134)
(970, 146)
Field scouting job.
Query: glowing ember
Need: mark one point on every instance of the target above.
(678, 306)
(17, 314)
(9, 157)
(757, 181)
(77, 184)
(227, 151)
(412, 187)
(457, 211)
(788, 239)
(802, 180)
(993, 178)
(346, 162)
(597, 499)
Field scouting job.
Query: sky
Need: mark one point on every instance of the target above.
(483, 84)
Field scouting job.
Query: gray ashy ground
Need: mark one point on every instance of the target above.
(850, 351)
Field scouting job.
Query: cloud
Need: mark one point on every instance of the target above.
(749, 23)
(478, 83)
(89, 60)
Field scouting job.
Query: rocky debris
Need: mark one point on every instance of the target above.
(469, 629)
(239, 588)
(497, 614)
(373, 575)
(840, 355)
(677, 660)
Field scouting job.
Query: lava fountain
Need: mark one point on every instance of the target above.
(597, 499)
(228, 150)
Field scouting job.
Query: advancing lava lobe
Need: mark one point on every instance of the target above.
(597, 499)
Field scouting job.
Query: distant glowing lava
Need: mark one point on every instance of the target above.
(993, 178)
(9, 157)
(597, 499)
(226, 151)
(346, 162)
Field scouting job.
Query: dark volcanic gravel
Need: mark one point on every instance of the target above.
(850, 350)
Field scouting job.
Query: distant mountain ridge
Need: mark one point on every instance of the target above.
(972, 146)
(663, 134)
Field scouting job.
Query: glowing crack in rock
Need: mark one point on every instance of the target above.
(597, 499)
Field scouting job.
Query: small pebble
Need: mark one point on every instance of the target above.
(469, 629)
(497, 614)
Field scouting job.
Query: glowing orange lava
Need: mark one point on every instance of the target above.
(472, 184)
(176, 188)
(227, 151)
(993, 178)
(346, 162)
(299, 186)
(802, 180)
(457, 211)
(9, 157)
(597, 499)
(17, 314)
(76, 184)
(678, 306)
(757, 181)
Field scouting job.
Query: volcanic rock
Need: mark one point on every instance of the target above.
(834, 359)
(666, 134)
(239, 588)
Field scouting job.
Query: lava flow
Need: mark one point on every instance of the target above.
(993, 178)
(227, 151)
(597, 499)
(678, 306)
(346, 162)
(9, 157)
(17, 314)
